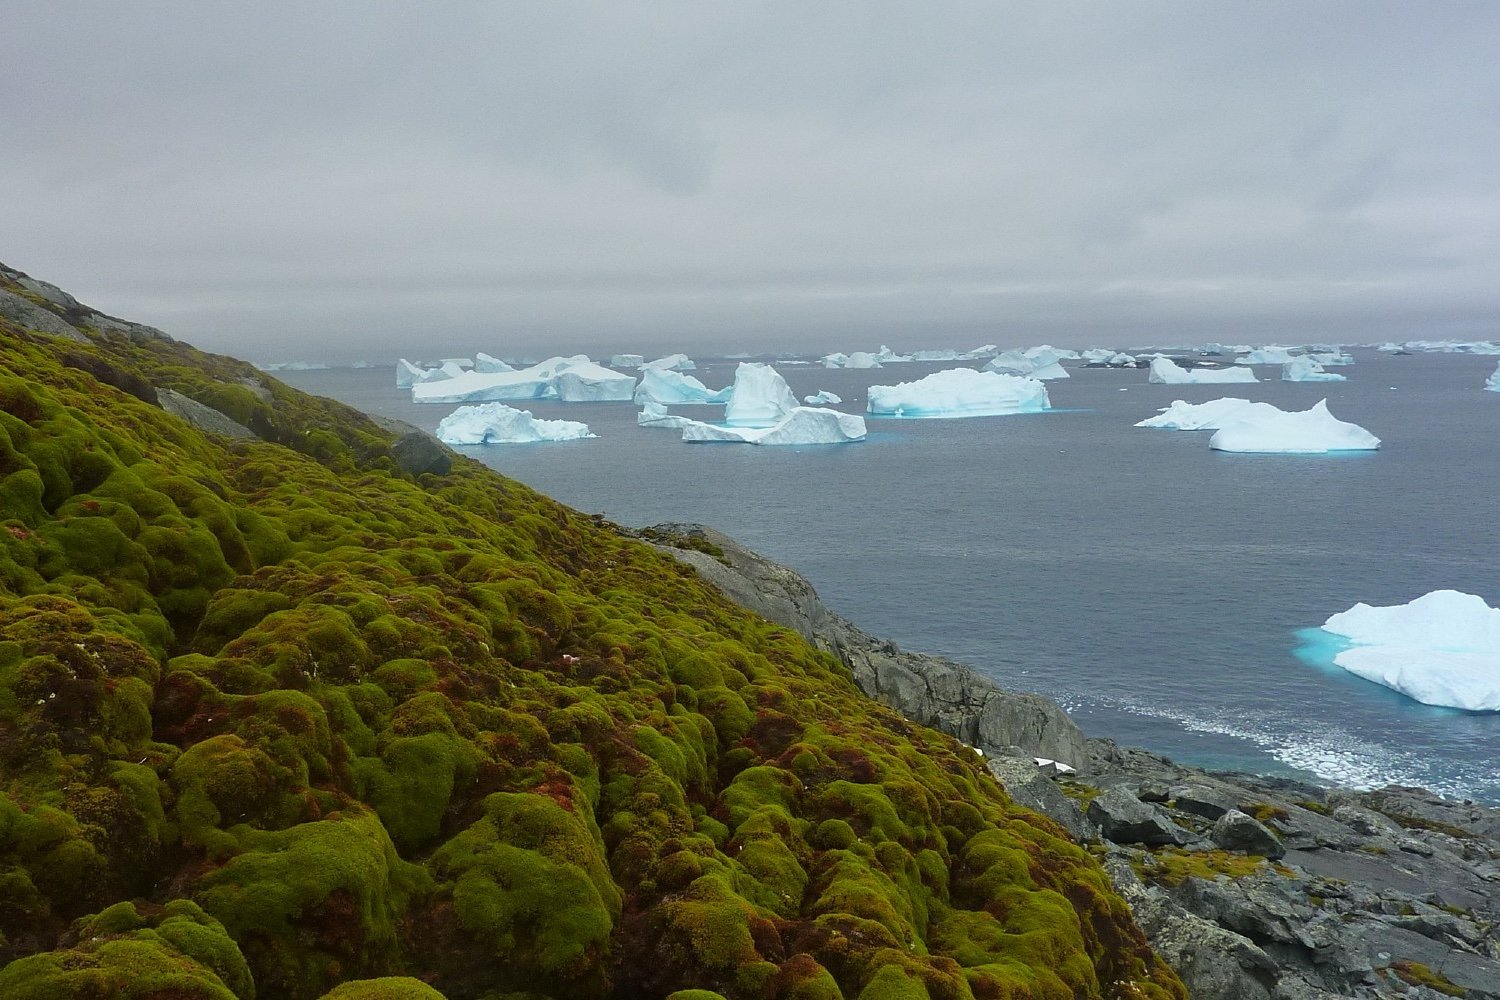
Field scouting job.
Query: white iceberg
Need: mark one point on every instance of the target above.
(1266, 356)
(408, 374)
(654, 414)
(1331, 358)
(1493, 382)
(1097, 354)
(1168, 372)
(862, 359)
(460, 362)
(946, 354)
(666, 386)
(1308, 432)
(802, 425)
(573, 379)
(627, 361)
(759, 397)
(672, 362)
(1042, 365)
(1441, 649)
(1305, 369)
(834, 360)
(486, 364)
(442, 373)
(822, 396)
(1045, 354)
(960, 392)
(1209, 416)
(496, 423)
(1211, 350)
(886, 356)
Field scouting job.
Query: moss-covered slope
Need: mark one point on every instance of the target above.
(275, 717)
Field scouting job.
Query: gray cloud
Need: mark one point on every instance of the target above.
(362, 180)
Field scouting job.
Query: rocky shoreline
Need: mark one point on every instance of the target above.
(1251, 887)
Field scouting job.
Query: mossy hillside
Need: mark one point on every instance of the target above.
(373, 727)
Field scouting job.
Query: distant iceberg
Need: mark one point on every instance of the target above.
(1493, 382)
(947, 354)
(1168, 372)
(294, 366)
(1309, 432)
(573, 379)
(802, 425)
(1041, 365)
(821, 397)
(667, 386)
(672, 362)
(1331, 358)
(488, 365)
(627, 361)
(408, 374)
(496, 423)
(960, 392)
(654, 414)
(1209, 416)
(1266, 356)
(442, 373)
(886, 356)
(859, 359)
(1305, 369)
(759, 397)
(1441, 649)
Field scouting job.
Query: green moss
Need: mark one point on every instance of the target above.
(1417, 974)
(386, 988)
(1171, 867)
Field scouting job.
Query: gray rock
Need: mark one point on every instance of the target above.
(1025, 783)
(48, 291)
(1125, 819)
(205, 418)
(418, 453)
(1204, 800)
(1235, 831)
(24, 312)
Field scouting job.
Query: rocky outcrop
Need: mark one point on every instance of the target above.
(24, 312)
(205, 418)
(1251, 887)
(45, 308)
(930, 690)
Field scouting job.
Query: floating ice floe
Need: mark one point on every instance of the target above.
(821, 397)
(654, 414)
(496, 423)
(488, 365)
(1493, 382)
(666, 386)
(802, 425)
(1042, 365)
(960, 392)
(1313, 431)
(1441, 649)
(574, 379)
(1209, 416)
(1266, 356)
(673, 362)
(759, 397)
(1168, 372)
(1331, 358)
(1305, 369)
(408, 374)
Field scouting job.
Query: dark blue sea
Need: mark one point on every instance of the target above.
(1152, 586)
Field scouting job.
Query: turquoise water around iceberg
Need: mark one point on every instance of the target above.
(1153, 586)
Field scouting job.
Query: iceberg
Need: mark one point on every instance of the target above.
(667, 386)
(759, 397)
(408, 374)
(654, 414)
(627, 361)
(1327, 358)
(834, 360)
(803, 425)
(1168, 372)
(862, 359)
(1045, 354)
(486, 364)
(822, 396)
(960, 392)
(1097, 354)
(1441, 649)
(496, 423)
(673, 362)
(1493, 382)
(1211, 350)
(460, 362)
(1040, 366)
(887, 356)
(1305, 369)
(1266, 356)
(947, 354)
(442, 373)
(574, 379)
(1308, 432)
(1209, 416)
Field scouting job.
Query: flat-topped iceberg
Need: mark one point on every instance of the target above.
(1493, 382)
(1305, 369)
(1266, 356)
(1313, 431)
(822, 396)
(1441, 649)
(573, 379)
(802, 425)
(627, 360)
(486, 364)
(496, 423)
(1168, 372)
(1209, 416)
(667, 386)
(759, 396)
(673, 362)
(1042, 365)
(654, 414)
(960, 392)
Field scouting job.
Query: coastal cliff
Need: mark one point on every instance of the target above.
(1252, 887)
(297, 704)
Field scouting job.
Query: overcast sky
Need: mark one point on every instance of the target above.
(338, 181)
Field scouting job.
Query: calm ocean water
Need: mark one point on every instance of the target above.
(1152, 586)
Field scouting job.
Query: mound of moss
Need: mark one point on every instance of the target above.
(279, 720)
